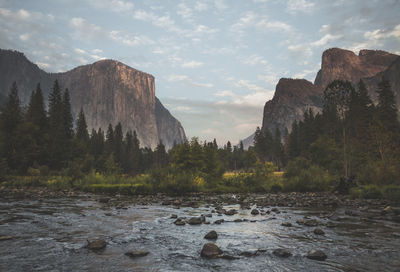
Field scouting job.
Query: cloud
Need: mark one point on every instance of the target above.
(114, 5)
(185, 12)
(262, 23)
(188, 81)
(220, 4)
(164, 21)
(327, 38)
(268, 78)
(254, 60)
(294, 6)
(201, 6)
(130, 39)
(191, 64)
(255, 99)
(246, 84)
(84, 30)
(266, 24)
(300, 50)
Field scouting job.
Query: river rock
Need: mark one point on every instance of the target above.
(282, 252)
(219, 221)
(210, 250)
(254, 212)
(179, 222)
(174, 216)
(230, 212)
(195, 220)
(319, 231)
(318, 255)
(177, 202)
(5, 238)
(97, 244)
(137, 253)
(212, 235)
(237, 220)
(311, 223)
(286, 224)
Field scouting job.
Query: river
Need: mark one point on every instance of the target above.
(51, 235)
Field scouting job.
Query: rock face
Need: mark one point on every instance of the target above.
(108, 91)
(294, 96)
(344, 64)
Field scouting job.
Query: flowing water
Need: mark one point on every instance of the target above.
(51, 235)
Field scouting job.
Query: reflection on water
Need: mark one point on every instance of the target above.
(51, 235)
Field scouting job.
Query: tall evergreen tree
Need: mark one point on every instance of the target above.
(10, 120)
(36, 113)
(118, 138)
(386, 108)
(81, 128)
(59, 143)
(67, 115)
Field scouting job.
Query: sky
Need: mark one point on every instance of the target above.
(215, 62)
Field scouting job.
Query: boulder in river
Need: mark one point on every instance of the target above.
(174, 216)
(230, 212)
(282, 252)
(212, 235)
(137, 253)
(179, 222)
(195, 220)
(219, 221)
(286, 224)
(5, 237)
(318, 255)
(210, 250)
(319, 231)
(97, 244)
(254, 212)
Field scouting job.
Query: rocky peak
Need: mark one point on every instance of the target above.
(292, 97)
(346, 65)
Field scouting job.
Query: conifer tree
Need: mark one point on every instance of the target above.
(81, 128)
(386, 108)
(10, 120)
(67, 115)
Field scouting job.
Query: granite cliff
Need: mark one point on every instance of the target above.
(293, 96)
(108, 91)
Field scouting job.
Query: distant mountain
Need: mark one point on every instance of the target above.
(108, 91)
(293, 96)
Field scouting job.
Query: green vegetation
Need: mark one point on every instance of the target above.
(352, 139)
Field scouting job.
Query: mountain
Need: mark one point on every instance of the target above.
(108, 91)
(293, 96)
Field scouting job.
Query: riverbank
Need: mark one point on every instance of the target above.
(325, 200)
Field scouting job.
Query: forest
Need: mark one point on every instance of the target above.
(352, 146)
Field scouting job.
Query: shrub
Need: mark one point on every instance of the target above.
(302, 176)
(391, 192)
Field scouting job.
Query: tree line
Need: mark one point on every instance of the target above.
(351, 138)
(35, 138)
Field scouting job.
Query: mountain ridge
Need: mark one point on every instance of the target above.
(109, 91)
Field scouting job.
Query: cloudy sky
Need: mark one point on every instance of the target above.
(216, 62)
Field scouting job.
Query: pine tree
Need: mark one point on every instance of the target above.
(36, 113)
(37, 125)
(59, 143)
(109, 142)
(81, 128)
(67, 115)
(118, 138)
(386, 108)
(10, 120)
